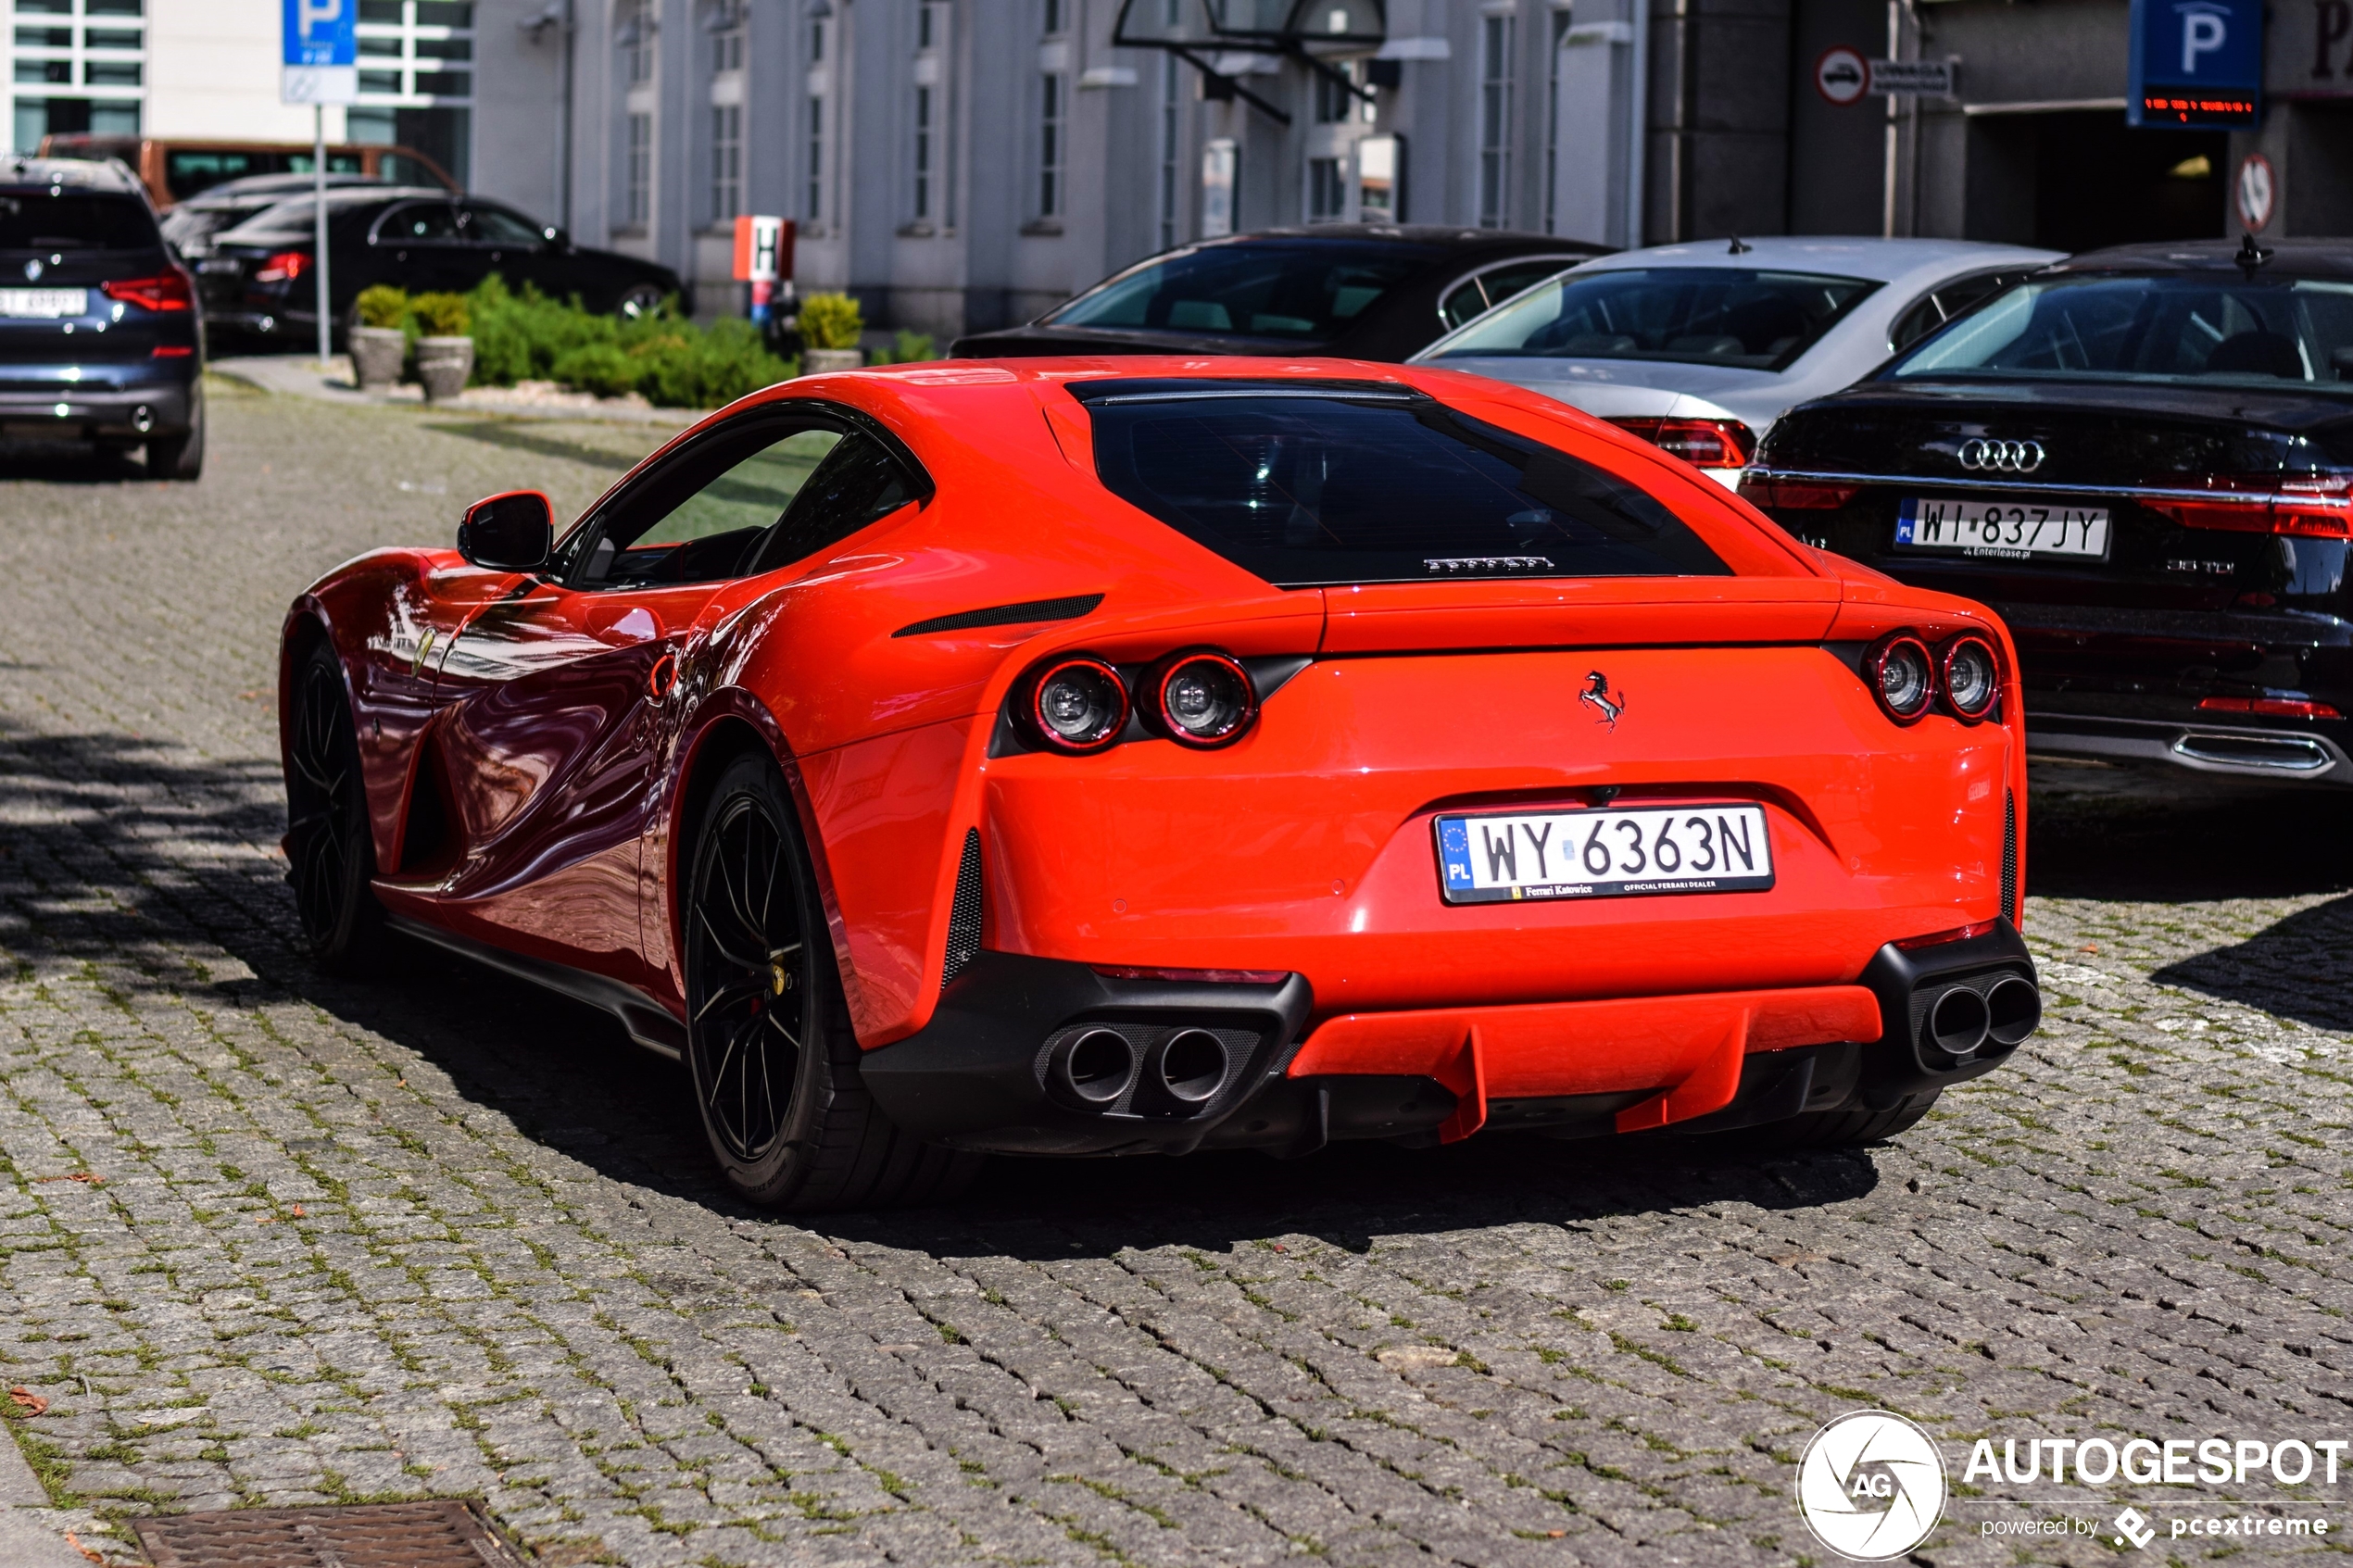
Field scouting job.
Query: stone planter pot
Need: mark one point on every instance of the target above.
(377, 354)
(823, 361)
(443, 364)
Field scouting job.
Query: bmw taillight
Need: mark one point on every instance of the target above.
(1073, 705)
(1968, 676)
(1201, 698)
(164, 292)
(1901, 676)
(283, 267)
(1795, 494)
(1704, 444)
(2312, 506)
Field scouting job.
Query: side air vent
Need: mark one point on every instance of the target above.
(963, 914)
(2011, 857)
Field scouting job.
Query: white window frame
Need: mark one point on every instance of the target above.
(1498, 48)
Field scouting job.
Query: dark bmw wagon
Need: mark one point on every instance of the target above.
(2143, 459)
(100, 337)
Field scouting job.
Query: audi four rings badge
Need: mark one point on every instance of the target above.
(2008, 457)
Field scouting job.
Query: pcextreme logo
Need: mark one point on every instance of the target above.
(1871, 1485)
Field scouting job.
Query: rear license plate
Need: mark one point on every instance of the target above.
(1605, 854)
(44, 304)
(2014, 530)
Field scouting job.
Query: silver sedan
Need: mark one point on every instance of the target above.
(1700, 347)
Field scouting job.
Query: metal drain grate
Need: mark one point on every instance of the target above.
(441, 1533)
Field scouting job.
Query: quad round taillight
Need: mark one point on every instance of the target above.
(1199, 699)
(1967, 677)
(1073, 705)
(1901, 676)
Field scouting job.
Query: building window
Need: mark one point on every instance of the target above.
(417, 79)
(727, 40)
(1326, 189)
(922, 154)
(83, 79)
(727, 161)
(1553, 116)
(1333, 100)
(1495, 40)
(1053, 109)
(637, 204)
(1056, 19)
(1172, 127)
(636, 42)
(813, 209)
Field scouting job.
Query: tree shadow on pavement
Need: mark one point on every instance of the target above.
(138, 857)
(2295, 968)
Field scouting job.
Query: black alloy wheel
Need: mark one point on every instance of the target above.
(638, 301)
(768, 1045)
(331, 855)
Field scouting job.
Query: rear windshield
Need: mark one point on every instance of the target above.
(2172, 328)
(1757, 319)
(36, 220)
(297, 218)
(1307, 289)
(1309, 487)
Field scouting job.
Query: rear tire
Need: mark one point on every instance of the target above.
(774, 1060)
(330, 849)
(179, 457)
(1850, 1126)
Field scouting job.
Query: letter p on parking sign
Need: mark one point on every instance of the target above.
(2196, 62)
(322, 55)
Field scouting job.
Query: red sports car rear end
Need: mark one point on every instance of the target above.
(1117, 755)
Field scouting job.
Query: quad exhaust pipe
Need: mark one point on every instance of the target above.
(1102, 1068)
(1965, 1019)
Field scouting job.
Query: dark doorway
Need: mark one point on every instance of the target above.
(2098, 182)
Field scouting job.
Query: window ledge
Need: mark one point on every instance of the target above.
(916, 231)
(1047, 227)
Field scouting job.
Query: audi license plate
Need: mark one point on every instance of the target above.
(44, 304)
(1605, 854)
(2014, 530)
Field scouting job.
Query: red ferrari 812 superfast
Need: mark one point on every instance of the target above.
(1117, 755)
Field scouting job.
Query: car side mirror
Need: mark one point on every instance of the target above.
(515, 532)
(557, 237)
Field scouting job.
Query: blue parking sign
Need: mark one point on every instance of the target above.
(322, 52)
(2196, 62)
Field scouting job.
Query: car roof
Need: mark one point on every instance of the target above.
(50, 173)
(1440, 236)
(252, 187)
(1853, 256)
(2327, 258)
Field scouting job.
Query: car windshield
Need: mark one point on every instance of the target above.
(1315, 485)
(36, 220)
(1307, 290)
(2172, 328)
(1748, 316)
(299, 217)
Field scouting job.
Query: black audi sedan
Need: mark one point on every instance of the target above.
(257, 278)
(1357, 291)
(2143, 459)
(100, 337)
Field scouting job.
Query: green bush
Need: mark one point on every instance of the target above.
(830, 321)
(908, 348)
(442, 315)
(383, 306)
(672, 362)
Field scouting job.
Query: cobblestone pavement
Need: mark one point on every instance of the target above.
(268, 1239)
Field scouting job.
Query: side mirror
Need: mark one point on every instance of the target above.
(556, 237)
(512, 532)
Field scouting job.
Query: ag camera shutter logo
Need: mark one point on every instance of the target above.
(1871, 1485)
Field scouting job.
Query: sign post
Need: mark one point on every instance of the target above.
(764, 258)
(2196, 62)
(321, 67)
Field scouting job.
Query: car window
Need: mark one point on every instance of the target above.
(2171, 327)
(1939, 305)
(36, 220)
(1749, 317)
(858, 483)
(496, 226)
(696, 519)
(1308, 289)
(418, 223)
(1308, 487)
(1477, 296)
(187, 172)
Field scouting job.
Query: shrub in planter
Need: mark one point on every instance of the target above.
(445, 348)
(379, 337)
(830, 321)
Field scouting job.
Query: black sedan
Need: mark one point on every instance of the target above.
(1357, 291)
(100, 338)
(2143, 459)
(257, 279)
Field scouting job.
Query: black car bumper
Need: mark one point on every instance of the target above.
(1042, 1056)
(2282, 755)
(126, 413)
